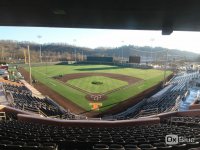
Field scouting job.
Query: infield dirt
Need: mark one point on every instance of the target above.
(128, 79)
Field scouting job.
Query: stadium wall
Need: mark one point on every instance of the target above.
(99, 59)
(86, 123)
(129, 65)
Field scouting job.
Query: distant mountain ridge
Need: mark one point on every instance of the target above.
(147, 51)
(14, 48)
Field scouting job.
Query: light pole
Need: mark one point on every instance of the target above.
(165, 67)
(152, 40)
(29, 63)
(2, 57)
(122, 51)
(46, 65)
(82, 54)
(74, 48)
(39, 37)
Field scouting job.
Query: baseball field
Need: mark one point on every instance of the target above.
(86, 84)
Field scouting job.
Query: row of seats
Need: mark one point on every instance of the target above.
(20, 145)
(23, 99)
(169, 101)
(188, 121)
(145, 137)
(16, 89)
(37, 105)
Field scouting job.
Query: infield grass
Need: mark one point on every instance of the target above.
(108, 84)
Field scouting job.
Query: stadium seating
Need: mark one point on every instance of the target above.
(20, 97)
(40, 106)
(139, 134)
(24, 128)
(16, 89)
(166, 102)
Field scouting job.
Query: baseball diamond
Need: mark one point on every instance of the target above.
(73, 83)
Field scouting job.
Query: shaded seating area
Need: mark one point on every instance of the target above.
(149, 133)
(20, 97)
(16, 89)
(37, 105)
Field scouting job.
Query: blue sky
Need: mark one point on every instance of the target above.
(189, 41)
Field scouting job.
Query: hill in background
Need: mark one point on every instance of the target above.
(13, 51)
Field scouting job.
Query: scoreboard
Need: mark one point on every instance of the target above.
(134, 59)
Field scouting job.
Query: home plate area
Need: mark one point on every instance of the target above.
(96, 97)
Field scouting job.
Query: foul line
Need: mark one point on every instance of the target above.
(52, 83)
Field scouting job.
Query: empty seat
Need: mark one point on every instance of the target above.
(116, 147)
(131, 147)
(162, 146)
(179, 147)
(100, 147)
(147, 146)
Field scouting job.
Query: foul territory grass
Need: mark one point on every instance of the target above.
(44, 74)
(107, 84)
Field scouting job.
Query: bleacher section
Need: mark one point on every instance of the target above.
(168, 99)
(20, 97)
(45, 107)
(16, 89)
(29, 132)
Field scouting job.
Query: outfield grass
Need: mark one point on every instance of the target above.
(44, 74)
(107, 84)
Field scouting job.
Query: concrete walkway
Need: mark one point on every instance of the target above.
(189, 99)
(34, 91)
(3, 100)
(10, 82)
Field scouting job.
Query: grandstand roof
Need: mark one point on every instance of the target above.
(166, 15)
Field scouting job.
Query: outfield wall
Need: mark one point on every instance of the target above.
(129, 65)
(99, 59)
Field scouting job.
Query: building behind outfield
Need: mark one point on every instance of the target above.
(99, 59)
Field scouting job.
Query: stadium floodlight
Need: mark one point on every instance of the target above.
(29, 63)
(165, 67)
(152, 40)
(2, 54)
(39, 37)
(82, 54)
(74, 48)
(122, 51)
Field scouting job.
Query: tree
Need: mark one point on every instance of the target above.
(198, 59)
